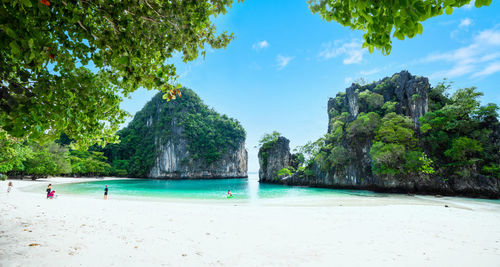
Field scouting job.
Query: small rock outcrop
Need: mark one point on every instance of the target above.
(273, 157)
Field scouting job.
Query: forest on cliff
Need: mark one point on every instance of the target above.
(208, 134)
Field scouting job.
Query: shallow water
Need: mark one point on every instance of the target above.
(243, 190)
(213, 189)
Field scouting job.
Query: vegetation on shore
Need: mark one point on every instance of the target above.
(28, 158)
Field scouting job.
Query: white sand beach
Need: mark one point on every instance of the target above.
(399, 231)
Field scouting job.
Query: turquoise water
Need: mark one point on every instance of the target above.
(242, 189)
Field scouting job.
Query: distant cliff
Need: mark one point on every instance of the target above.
(401, 135)
(182, 138)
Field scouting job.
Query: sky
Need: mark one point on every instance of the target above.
(285, 62)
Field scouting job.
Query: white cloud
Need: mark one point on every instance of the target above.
(352, 51)
(283, 61)
(462, 28)
(490, 69)
(491, 37)
(465, 23)
(260, 45)
(472, 58)
(348, 80)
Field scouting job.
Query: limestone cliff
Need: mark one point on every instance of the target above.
(181, 139)
(273, 157)
(355, 117)
(174, 161)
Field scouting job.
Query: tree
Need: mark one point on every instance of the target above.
(64, 64)
(48, 159)
(12, 153)
(269, 138)
(395, 149)
(310, 150)
(363, 127)
(380, 19)
(89, 163)
(392, 140)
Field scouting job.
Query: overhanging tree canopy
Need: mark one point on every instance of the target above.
(63, 64)
(380, 19)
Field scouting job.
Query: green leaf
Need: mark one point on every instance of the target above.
(124, 60)
(26, 3)
(420, 28)
(10, 32)
(14, 48)
(30, 43)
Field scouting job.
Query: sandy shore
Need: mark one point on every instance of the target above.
(78, 231)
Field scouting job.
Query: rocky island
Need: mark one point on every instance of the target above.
(400, 135)
(181, 139)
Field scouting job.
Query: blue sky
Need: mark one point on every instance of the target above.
(285, 63)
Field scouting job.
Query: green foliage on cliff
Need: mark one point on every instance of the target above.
(267, 139)
(284, 172)
(309, 151)
(461, 136)
(208, 135)
(395, 149)
(370, 100)
(265, 142)
(363, 126)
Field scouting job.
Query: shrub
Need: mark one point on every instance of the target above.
(370, 101)
(284, 172)
(364, 125)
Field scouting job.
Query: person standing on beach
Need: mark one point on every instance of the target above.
(49, 189)
(106, 192)
(9, 187)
